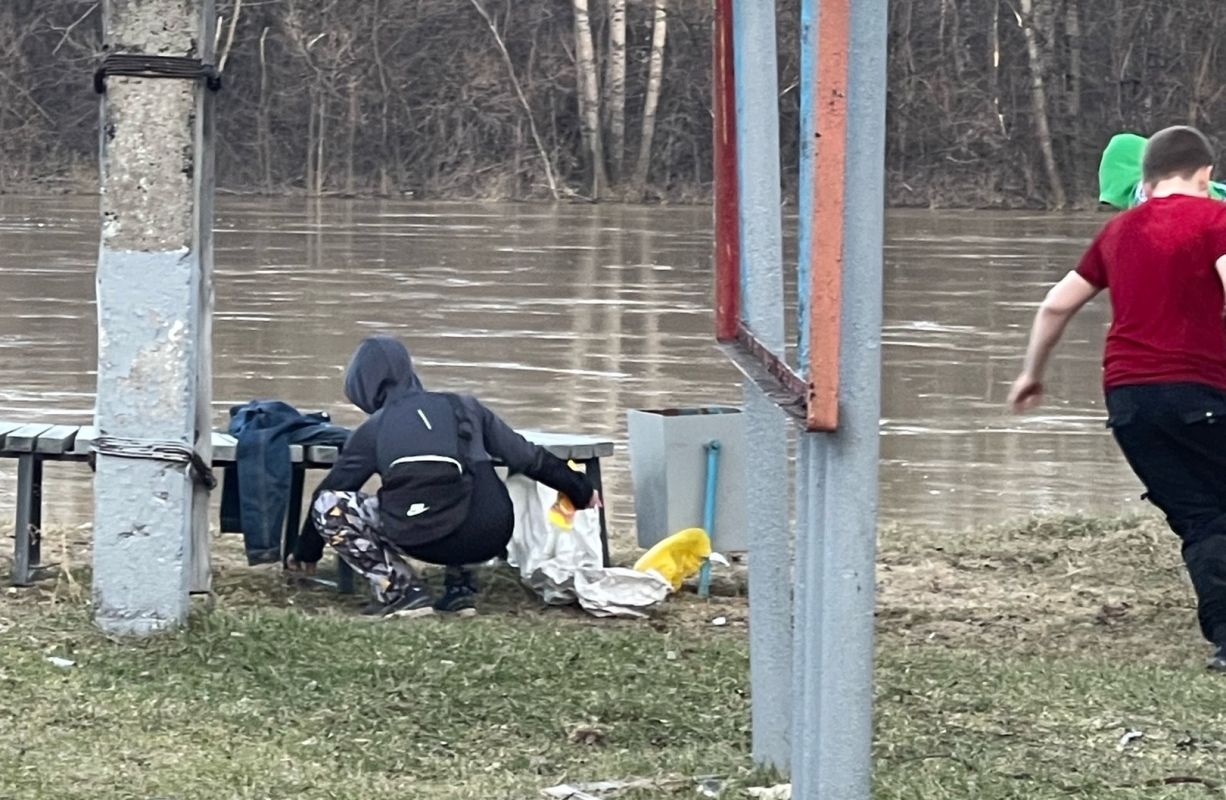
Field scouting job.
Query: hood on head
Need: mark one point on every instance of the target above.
(381, 368)
(1119, 171)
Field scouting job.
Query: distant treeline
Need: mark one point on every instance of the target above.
(992, 102)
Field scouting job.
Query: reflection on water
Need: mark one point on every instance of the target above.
(563, 318)
(961, 289)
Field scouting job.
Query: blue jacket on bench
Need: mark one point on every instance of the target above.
(256, 491)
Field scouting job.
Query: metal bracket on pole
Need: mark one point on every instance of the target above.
(138, 65)
(769, 372)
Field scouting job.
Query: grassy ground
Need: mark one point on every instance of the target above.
(1012, 663)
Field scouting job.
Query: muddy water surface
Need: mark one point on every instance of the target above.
(563, 318)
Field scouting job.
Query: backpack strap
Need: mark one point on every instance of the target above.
(464, 425)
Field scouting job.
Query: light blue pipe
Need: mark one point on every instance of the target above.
(708, 514)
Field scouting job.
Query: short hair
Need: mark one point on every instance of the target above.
(1179, 151)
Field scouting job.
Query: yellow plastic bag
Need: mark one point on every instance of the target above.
(562, 512)
(678, 557)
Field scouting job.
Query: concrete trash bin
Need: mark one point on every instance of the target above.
(668, 467)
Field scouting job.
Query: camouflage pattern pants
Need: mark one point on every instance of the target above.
(349, 521)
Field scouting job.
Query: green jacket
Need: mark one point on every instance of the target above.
(1119, 173)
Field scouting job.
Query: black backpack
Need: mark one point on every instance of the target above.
(427, 488)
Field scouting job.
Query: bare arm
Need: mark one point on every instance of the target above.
(1221, 275)
(1063, 301)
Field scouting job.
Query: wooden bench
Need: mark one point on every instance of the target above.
(33, 443)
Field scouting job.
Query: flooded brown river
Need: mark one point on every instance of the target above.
(564, 318)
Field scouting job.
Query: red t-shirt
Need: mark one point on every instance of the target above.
(1158, 262)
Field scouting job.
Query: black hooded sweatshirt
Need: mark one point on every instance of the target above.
(381, 371)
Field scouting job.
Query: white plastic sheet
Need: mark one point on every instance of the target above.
(566, 566)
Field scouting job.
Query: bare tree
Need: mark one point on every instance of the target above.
(232, 29)
(589, 99)
(1038, 97)
(376, 96)
(994, 57)
(1072, 91)
(615, 88)
(655, 80)
(1072, 31)
(523, 101)
(263, 115)
(389, 147)
(351, 137)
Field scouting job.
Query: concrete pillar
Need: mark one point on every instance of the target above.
(832, 739)
(761, 256)
(154, 310)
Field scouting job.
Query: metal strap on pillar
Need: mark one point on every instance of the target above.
(168, 452)
(138, 65)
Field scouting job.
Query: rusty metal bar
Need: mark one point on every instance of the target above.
(727, 223)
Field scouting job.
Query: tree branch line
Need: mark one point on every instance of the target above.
(1001, 103)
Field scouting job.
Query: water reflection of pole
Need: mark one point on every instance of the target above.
(314, 235)
(653, 343)
(615, 272)
(343, 234)
(581, 317)
(154, 317)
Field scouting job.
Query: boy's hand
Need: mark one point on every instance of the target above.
(1061, 303)
(305, 568)
(595, 502)
(1027, 393)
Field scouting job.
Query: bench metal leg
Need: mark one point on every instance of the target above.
(592, 467)
(28, 549)
(293, 526)
(293, 514)
(344, 576)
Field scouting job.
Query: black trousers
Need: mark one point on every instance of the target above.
(486, 531)
(1174, 437)
(350, 522)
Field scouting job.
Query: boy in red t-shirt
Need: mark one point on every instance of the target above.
(1164, 367)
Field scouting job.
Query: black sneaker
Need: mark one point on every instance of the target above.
(415, 602)
(1217, 662)
(460, 596)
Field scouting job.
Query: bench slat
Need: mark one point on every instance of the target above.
(84, 443)
(567, 446)
(324, 454)
(57, 440)
(225, 448)
(7, 426)
(23, 439)
(579, 448)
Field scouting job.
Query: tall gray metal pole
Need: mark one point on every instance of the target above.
(766, 481)
(832, 751)
(154, 310)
